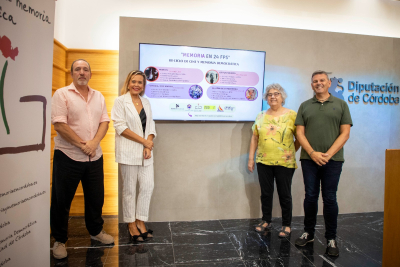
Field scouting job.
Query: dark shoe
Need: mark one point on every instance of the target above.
(283, 233)
(260, 228)
(147, 234)
(135, 238)
(332, 249)
(304, 239)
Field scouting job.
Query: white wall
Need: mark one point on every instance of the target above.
(200, 167)
(94, 24)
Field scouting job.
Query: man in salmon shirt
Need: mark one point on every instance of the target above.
(79, 116)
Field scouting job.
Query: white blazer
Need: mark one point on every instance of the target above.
(125, 116)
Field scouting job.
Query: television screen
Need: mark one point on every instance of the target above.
(202, 84)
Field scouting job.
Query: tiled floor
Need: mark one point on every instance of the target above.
(227, 243)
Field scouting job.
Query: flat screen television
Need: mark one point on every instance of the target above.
(186, 83)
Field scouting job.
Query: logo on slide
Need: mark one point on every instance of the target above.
(177, 107)
(335, 83)
(220, 109)
(229, 108)
(9, 52)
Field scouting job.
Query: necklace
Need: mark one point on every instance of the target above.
(137, 103)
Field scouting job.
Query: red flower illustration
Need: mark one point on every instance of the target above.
(8, 51)
(6, 48)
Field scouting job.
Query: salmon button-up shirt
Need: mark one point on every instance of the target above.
(83, 117)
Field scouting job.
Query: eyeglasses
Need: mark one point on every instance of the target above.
(276, 94)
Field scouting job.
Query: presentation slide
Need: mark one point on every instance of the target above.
(202, 84)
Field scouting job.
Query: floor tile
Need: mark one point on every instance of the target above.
(296, 261)
(360, 218)
(226, 243)
(86, 242)
(82, 257)
(201, 238)
(354, 259)
(254, 246)
(240, 225)
(143, 255)
(360, 237)
(196, 227)
(205, 253)
(229, 263)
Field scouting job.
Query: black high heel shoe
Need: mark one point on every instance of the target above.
(136, 238)
(145, 234)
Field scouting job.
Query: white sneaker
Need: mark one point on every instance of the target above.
(103, 237)
(59, 251)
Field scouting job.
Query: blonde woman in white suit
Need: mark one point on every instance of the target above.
(134, 134)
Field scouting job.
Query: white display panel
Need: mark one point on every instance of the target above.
(202, 84)
(26, 45)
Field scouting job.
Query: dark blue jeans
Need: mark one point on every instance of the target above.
(327, 177)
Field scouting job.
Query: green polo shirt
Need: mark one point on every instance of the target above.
(322, 124)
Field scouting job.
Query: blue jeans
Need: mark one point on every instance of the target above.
(328, 177)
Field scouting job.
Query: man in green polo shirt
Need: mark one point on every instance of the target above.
(323, 127)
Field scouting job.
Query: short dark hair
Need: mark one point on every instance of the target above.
(319, 72)
(72, 65)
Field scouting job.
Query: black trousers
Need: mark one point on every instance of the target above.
(67, 174)
(283, 177)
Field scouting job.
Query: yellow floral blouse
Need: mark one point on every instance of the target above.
(276, 139)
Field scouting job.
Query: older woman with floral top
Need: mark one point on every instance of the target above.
(274, 139)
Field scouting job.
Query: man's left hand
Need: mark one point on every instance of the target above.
(89, 147)
(327, 156)
(93, 154)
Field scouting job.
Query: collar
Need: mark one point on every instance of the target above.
(128, 99)
(72, 87)
(315, 100)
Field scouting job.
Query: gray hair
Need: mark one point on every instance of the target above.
(319, 72)
(278, 87)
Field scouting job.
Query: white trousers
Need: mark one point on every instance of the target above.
(131, 174)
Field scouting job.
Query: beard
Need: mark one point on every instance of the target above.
(82, 82)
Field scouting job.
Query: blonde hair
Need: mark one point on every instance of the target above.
(125, 89)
